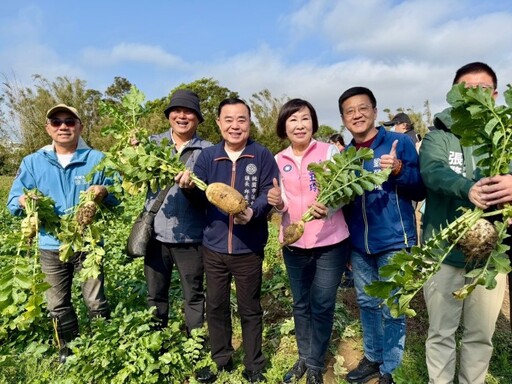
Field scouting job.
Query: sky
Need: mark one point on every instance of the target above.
(406, 52)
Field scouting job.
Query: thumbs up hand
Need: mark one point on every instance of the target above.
(274, 195)
(391, 161)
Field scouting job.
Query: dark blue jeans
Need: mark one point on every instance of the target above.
(158, 265)
(315, 275)
(383, 335)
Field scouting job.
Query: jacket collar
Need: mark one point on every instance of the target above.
(289, 151)
(81, 145)
(220, 152)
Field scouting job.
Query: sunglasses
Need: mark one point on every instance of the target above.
(56, 123)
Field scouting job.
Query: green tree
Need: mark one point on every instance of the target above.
(210, 95)
(324, 132)
(118, 89)
(27, 108)
(265, 110)
(427, 113)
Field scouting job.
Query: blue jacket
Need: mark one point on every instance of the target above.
(178, 220)
(43, 171)
(252, 176)
(383, 219)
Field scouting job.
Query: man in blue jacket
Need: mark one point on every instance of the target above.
(381, 222)
(60, 171)
(233, 245)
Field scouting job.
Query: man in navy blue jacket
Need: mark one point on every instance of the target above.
(233, 245)
(381, 222)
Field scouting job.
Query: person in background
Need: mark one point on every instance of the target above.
(381, 223)
(60, 170)
(451, 178)
(233, 245)
(347, 280)
(316, 261)
(401, 123)
(178, 225)
(338, 141)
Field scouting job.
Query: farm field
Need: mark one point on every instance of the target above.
(126, 349)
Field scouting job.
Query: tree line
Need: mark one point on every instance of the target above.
(23, 112)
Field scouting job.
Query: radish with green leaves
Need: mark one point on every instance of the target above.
(480, 123)
(149, 163)
(339, 180)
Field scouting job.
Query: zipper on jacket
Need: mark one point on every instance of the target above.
(365, 219)
(406, 241)
(231, 217)
(70, 197)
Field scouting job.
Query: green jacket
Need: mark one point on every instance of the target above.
(448, 171)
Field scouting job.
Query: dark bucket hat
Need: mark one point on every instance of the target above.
(187, 99)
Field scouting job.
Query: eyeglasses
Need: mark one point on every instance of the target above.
(56, 123)
(481, 85)
(363, 109)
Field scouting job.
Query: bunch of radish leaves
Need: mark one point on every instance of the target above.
(339, 180)
(77, 237)
(22, 284)
(342, 178)
(480, 123)
(139, 161)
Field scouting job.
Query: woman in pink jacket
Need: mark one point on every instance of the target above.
(315, 262)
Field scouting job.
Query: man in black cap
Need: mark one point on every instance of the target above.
(178, 225)
(402, 123)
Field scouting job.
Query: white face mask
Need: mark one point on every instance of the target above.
(392, 129)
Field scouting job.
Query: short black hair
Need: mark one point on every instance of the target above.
(476, 67)
(232, 101)
(337, 138)
(288, 109)
(354, 91)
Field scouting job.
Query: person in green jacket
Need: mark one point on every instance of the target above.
(453, 180)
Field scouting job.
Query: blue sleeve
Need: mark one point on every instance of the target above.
(23, 179)
(409, 179)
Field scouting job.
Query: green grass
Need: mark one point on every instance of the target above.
(29, 355)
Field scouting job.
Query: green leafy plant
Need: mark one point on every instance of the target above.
(142, 162)
(339, 180)
(81, 231)
(39, 211)
(22, 284)
(478, 122)
(127, 348)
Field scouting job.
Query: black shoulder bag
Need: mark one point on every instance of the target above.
(142, 229)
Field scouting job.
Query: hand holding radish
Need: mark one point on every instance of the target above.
(319, 210)
(99, 192)
(183, 180)
(243, 217)
(495, 190)
(476, 194)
